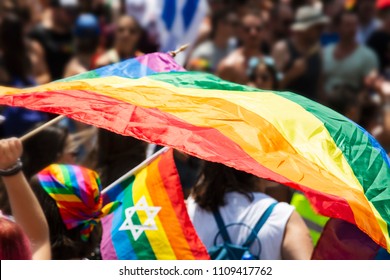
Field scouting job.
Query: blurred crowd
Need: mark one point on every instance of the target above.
(335, 52)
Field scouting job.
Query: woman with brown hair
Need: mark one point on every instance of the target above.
(238, 199)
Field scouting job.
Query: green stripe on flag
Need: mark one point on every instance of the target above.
(141, 246)
(86, 75)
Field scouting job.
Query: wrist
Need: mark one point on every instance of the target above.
(13, 170)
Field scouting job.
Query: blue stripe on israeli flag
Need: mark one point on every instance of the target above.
(189, 11)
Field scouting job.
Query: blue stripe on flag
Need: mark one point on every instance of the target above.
(120, 239)
(189, 11)
(169, 13)
(130, 68)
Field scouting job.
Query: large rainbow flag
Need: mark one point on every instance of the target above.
(152, 221)
(280, 136)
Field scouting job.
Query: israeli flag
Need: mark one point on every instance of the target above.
(173, 22)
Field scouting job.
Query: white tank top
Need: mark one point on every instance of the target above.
(239, 209)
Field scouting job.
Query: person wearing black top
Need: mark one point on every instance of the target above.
(299, 57)
(55, 36)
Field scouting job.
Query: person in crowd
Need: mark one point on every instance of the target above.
(117, 154)
(222, 41)
(74, 217)
(26, 234)
(51, 145)
(348, 62)
(22, 64)
(343, 100)
(262, 73)
(234, 67)
(368, 23)
(239, 199)
(332, 9)
(127, 35)
(379, 41)
(54, 34)
(87, 35)
(281, 18)
(299, 58)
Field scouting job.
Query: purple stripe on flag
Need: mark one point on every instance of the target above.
(160, 62)
(107, 246)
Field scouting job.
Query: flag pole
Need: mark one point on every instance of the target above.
(182, 48)
(42, 127)
(136, 169)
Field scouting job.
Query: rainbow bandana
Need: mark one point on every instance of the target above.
(76, 191)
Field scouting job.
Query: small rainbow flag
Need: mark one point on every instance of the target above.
(152, 221)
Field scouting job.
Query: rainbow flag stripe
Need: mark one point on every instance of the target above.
(280, 136)
(152, 222)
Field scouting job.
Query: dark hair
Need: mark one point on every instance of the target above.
(270, 68)
(216, 180)
(370, 113)
(43, 149)
(137, 25)
(342, 98)
(216, 18)
(65, 244)
(87, 45)
(15, 56)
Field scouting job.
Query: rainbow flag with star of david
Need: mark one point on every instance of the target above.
(152, 221)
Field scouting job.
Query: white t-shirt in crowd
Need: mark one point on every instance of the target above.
(239, 209)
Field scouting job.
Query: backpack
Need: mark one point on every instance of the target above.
(229, 251)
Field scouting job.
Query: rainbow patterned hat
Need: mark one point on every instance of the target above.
(77, 193)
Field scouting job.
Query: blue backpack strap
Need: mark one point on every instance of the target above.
(259, 225)
(221, 226)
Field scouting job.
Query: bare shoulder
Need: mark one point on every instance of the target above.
(297, 243)
(73, 68)
(103, 59)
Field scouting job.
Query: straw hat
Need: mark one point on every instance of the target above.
(308, 16)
